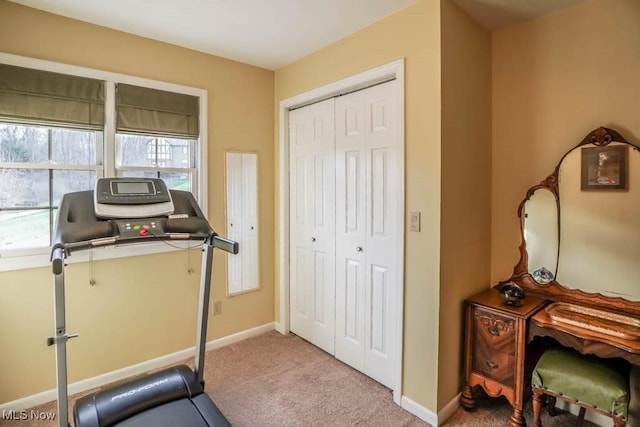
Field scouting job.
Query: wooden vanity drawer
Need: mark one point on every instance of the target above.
(496, 366)
(494, 346)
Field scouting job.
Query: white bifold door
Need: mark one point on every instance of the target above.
(354, 270)
(312, 223)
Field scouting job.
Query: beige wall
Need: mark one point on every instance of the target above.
(413, 34)
(132, 315)
(466, 185)
(554, 80)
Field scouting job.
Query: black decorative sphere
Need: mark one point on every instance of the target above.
(512, 294)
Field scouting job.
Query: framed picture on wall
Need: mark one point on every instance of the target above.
(604, 168)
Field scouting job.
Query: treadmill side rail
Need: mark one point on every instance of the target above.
(60, 340)
(203, 310)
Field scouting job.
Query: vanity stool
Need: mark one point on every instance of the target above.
(587, 381)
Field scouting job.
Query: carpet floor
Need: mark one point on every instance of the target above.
(275, 380)
(491, 412)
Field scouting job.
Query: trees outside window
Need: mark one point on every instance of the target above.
(37, 166)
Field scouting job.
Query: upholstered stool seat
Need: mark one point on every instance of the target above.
(587, 381)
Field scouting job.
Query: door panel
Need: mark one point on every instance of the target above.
(319, 290)
(234, 218)
(382, 149)
(353, 188)
(378, 191)
(312, 233)
(299, 194)
(353, 278)
(301, 274)
(379, 294)
(250, 271)
(366, 132)
(350, 229)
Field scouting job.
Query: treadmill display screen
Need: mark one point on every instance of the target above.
(130, 191)
(128, 187)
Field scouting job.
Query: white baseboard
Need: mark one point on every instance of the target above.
(129, 371)
(239, 336)
(428, 415)
(448, 411)
(419, 411)
(280, 328)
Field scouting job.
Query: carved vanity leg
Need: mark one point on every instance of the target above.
(517, 419)
(537, 401)
(619, 422)
(466, 398)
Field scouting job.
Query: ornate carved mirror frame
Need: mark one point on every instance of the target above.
(553, 290)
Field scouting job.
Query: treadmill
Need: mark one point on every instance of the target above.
(124, 211)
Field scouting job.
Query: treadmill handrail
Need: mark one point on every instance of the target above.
(78, 230)
(60, 251)
(224, 244)
(57, 259)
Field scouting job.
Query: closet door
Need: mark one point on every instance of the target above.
(312, 223)
(350, 229)
(366, 173)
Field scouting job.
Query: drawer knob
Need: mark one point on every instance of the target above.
(492, 364)
(493, 330)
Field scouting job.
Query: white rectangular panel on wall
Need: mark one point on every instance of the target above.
(242, 221)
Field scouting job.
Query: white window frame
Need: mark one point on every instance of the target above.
(17, 259)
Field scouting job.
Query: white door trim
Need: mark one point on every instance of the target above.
(395, 70)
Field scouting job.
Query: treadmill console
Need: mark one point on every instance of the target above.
(139, 227)
(132, 198)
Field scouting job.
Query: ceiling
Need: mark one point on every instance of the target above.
(267, 33)
(496, 14)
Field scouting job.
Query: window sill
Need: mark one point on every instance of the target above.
(41, 258)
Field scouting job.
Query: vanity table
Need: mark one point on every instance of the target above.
(495, 349)
(579, 267)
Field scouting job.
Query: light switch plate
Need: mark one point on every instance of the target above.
(414, 220)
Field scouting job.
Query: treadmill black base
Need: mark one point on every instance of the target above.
(169, 398)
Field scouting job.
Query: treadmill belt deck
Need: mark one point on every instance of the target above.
(183, 412)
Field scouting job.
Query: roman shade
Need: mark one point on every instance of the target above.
(45, 98)
(142, 110)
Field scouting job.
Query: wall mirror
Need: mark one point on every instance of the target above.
(581, 226)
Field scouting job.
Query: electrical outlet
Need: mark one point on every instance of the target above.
(217, 307)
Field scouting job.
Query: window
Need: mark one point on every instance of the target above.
(171, 159)
(37, 166)
(62, 127)
(157, 134)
